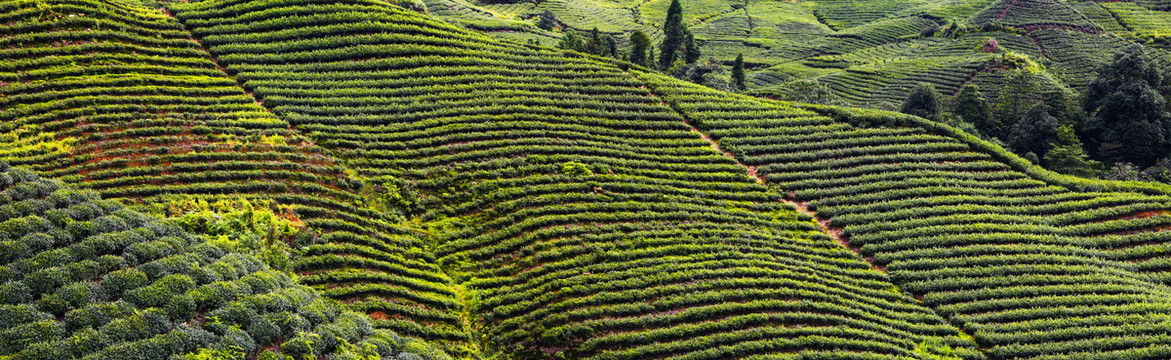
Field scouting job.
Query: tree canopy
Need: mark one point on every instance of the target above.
(1035, 131)
(923, 101)
(1128, 103)
(972, 107)
(738, 72)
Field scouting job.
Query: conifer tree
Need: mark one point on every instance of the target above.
(1069, 157)
(639, 47)
(678, 41)
(690, 47)
(673, 34)
(738, 73)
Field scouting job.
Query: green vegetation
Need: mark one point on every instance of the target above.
(972, 107)
(738, 73)
(1128, 104)
(641, 52)
(1023, 260)
(84, 277)
(923, 101)
(151, 116)
(1069, 157)
(359, 179)
(578, 213)
(677, 39)
(873, 54)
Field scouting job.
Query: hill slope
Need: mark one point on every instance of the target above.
(496, 199)
(120, 99)
(583, 214)
(1031, 269)
(868, 53)
(88, 278)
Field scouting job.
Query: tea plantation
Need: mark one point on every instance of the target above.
(369, 179)
(862, 50)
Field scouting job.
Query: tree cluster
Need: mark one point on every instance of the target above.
(678, 54)
(594, 43)
(1123, 118)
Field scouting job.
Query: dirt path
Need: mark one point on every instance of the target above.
(822, 222)
(216, 61)
(1005, 12)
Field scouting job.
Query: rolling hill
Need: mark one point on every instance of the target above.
(352, 179)
(868, 53)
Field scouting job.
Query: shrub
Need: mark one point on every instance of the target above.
(576, 169)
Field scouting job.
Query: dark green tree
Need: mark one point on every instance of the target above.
(1019, 94)
(1128, 103)
(1062, 107)
(738, 73)
(594, 43)
(673, 34)
(640, 45)
(1069, 157)
(972, 107)
(923, 101)
(1035, 132)
(675, 10)
(571, 41)
(611, 46)
(690, 47)
(547, 20)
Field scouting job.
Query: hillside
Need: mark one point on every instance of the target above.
(478, 198)
(868, 53)
(88, 278)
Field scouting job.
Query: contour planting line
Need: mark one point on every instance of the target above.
(822, 222)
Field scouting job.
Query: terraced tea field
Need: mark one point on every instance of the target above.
(231, 179)
(783, 40)
(1028, 262)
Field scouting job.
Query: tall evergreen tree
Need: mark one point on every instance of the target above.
(673, 34)
(611, 46)
(594, 44)
(639, 47)
(675, 10)
(738, 73)
(690, 47)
